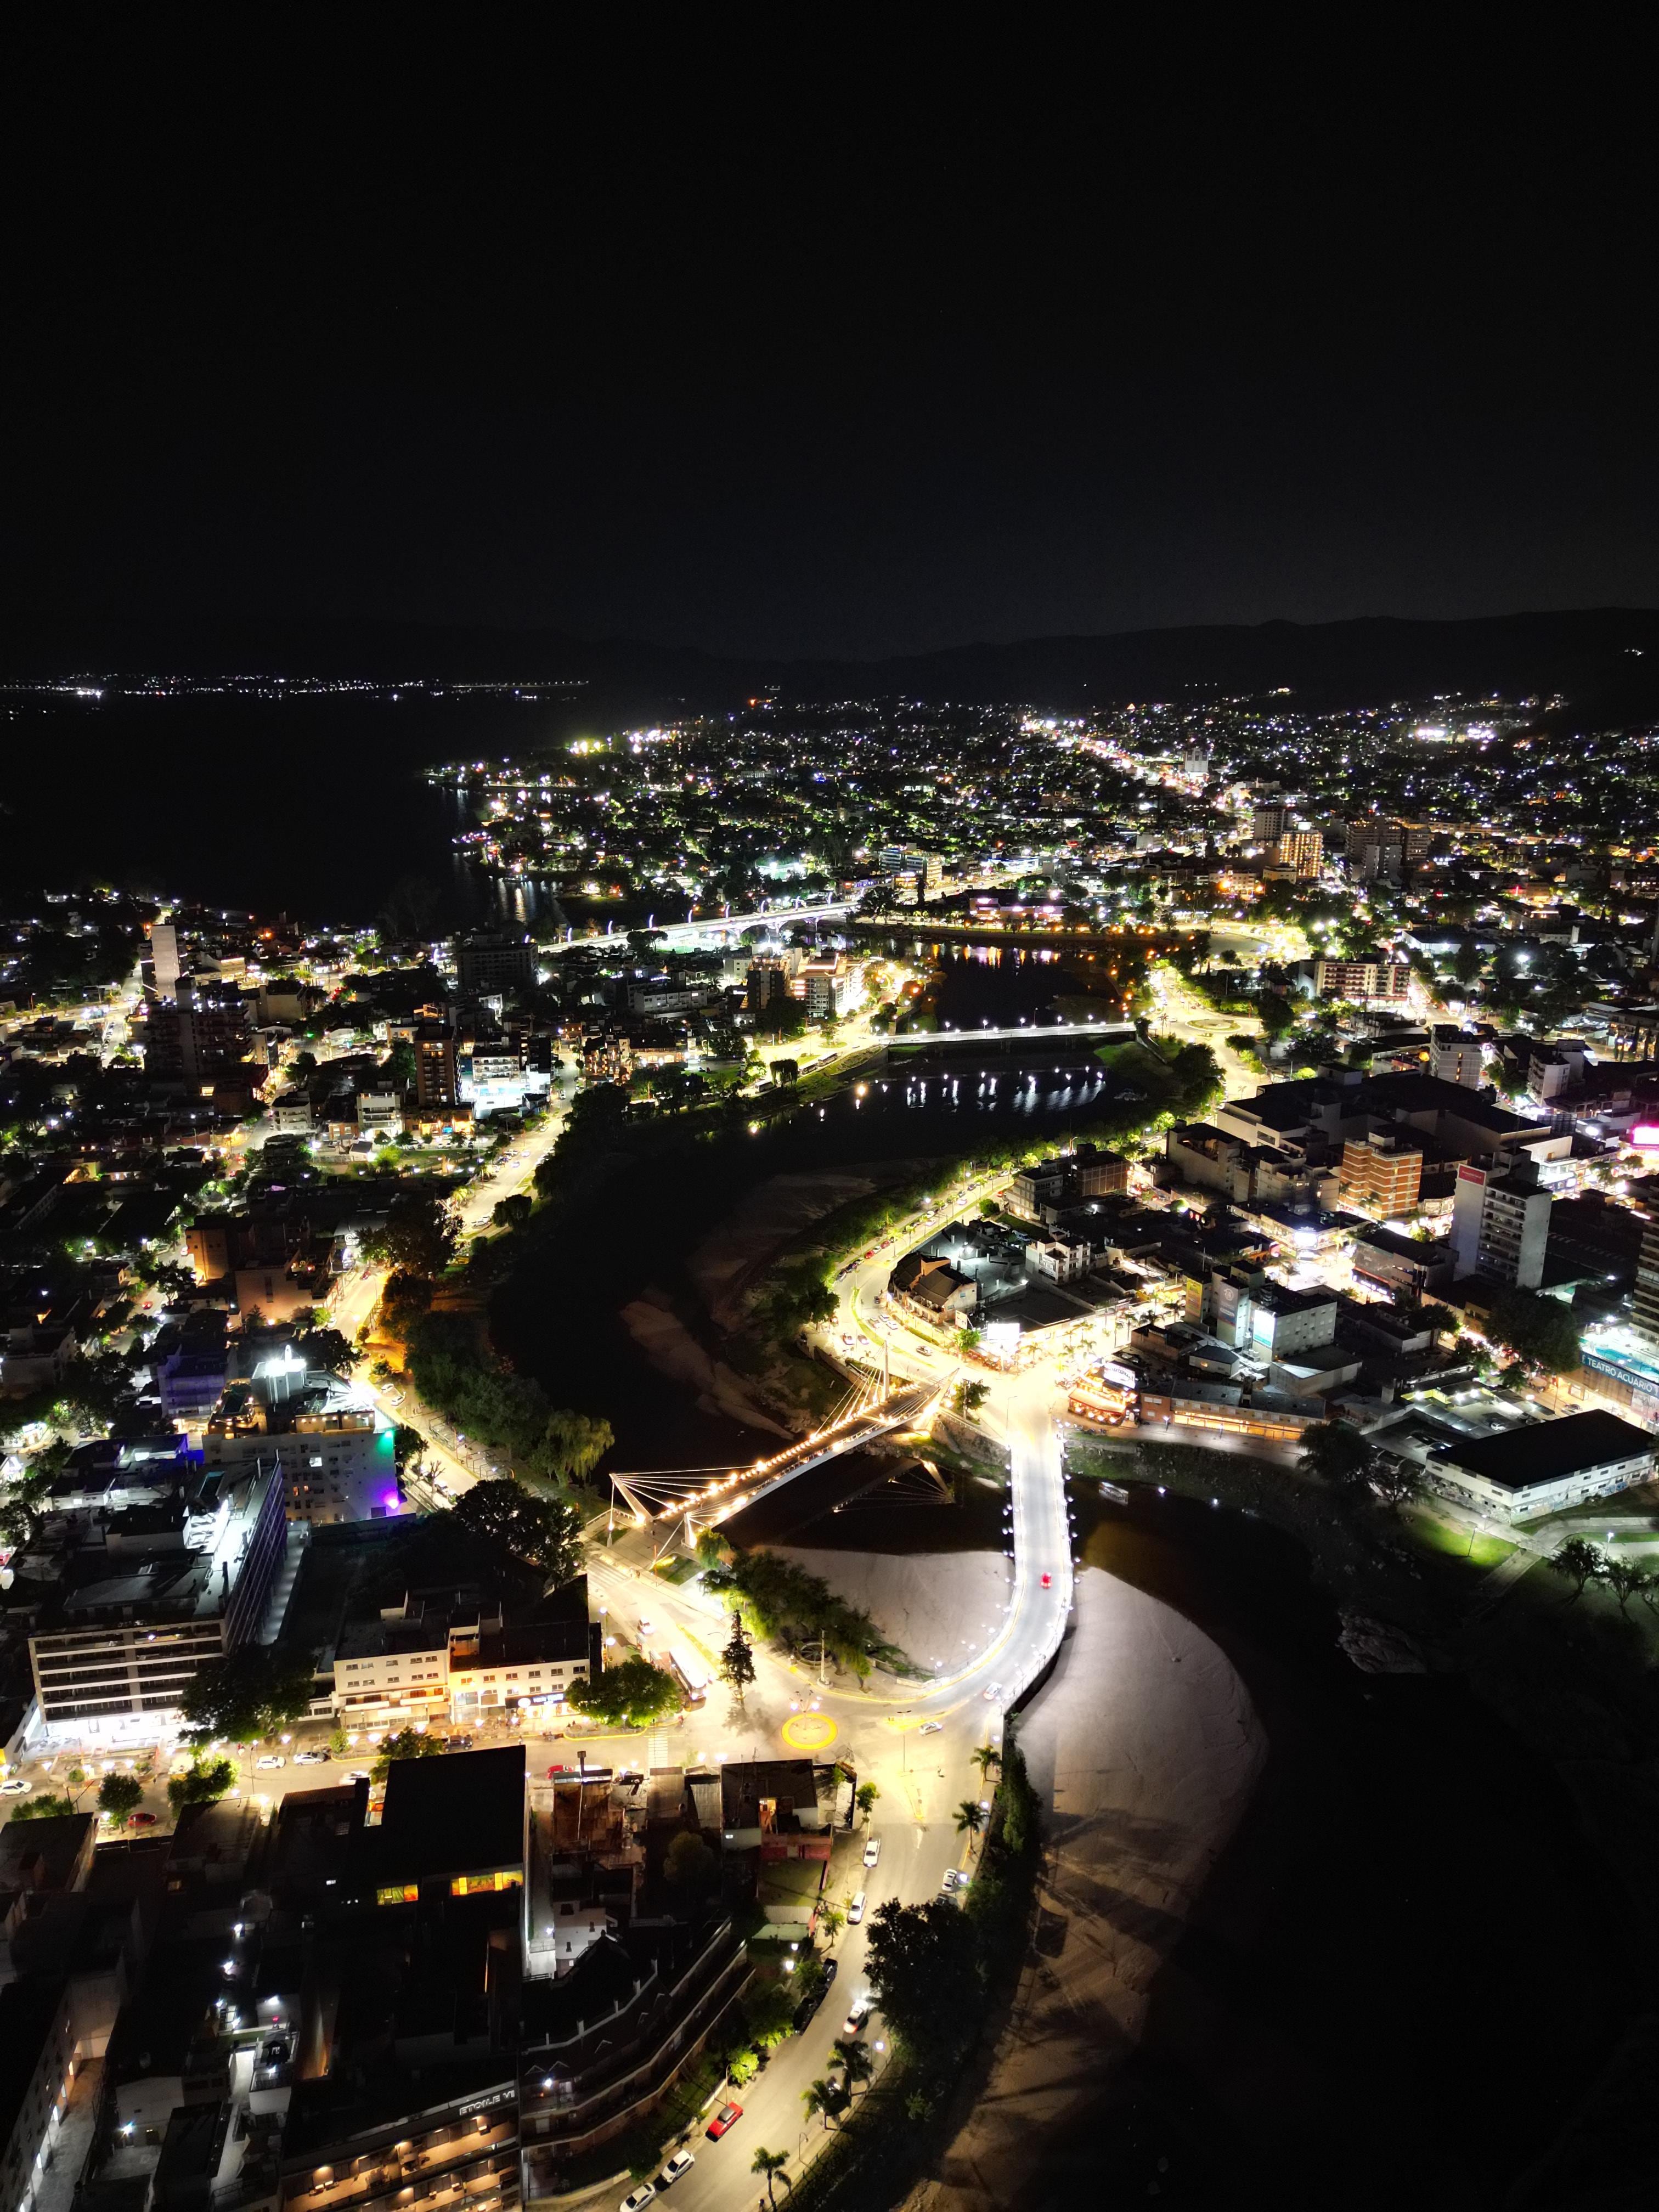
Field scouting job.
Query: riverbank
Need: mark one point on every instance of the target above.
(1144, 1749)
(1382, 1948)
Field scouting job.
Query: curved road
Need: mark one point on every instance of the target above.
(922, 1777)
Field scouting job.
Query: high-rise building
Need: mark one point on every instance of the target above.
(1646, 1319)
(486, 963)
(164, 958)
(1381, 1172)
(1301, 849)
(767, 985)
(1366, 983)
(1454, 1057)
(437, 1075)
(1268, 823)
(1501, 1221)
(197, 1040)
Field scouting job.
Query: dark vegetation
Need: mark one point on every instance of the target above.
(1527, 1743)
(794, 1609)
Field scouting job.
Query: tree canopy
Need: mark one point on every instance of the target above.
(250, 1693)
(419, 1235)
(1542, 1330)
(636, 1692)
(924, 1966)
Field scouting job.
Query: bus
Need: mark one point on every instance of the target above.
(690, 1671)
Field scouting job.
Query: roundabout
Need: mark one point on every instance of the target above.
(809, 1732)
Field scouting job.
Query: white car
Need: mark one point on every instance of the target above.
(638, 2198)
(855, 1911)
(269, 1759)
(648, 1627)
(930, 1728)
(872, 1850)
(853, 2023)
(15, 1789)
(682, 2162)
(992, 1690)
(311, 1759)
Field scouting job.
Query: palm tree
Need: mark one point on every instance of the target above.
(771, 2163)
(985, 1759)
(969, 1818)
(821, 2096)
(854, 2061)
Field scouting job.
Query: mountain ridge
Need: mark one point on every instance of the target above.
(1364, 660)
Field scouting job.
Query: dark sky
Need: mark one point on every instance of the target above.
(789, 350)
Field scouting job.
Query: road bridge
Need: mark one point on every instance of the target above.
(1113, 1029)
(679, 1502)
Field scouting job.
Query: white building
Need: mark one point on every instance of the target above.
(1545, 1468)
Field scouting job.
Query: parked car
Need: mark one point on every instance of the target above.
(682, 2162)
(855, 1911)
(311, 1759)
(727, 2116)
(15, 1789)
(872, 1850)
(955, 1879)
(637, 2199)
(141, 1820)
(269, 1760)
(647, 1627)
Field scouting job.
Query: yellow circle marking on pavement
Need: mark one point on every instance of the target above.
(809, 1731)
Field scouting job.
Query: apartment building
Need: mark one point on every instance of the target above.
(1382, 1172)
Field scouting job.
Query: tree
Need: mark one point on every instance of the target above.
(812, 1979)
(832, 1918)
(970, 1395)
(1336, 1453)
(969, 1818)
(985, 1757)
(328, 1349)
(768, 2015)
(1542, 1330)
(924, 1965)
(572, 1444)
(204, 1784)
(1396, 1482)
(854, 2061)
(771, 2163)
(822, 2098)
(1577, 1561)
(689, 1867)
(250, 1693)
(406, 1743)
(418, 1238)
(1625, 1580)
(44, 1807)
(865, 1798)
(634, 1693)
(543, 1532)
(512, 1213)
(120, 1795)
(738, 1659)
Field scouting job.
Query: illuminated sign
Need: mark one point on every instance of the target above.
(1646, 1135)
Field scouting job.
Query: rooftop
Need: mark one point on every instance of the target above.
(461, 1814)
(1523, 1458)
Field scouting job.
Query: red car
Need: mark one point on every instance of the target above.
(1047, 1581)
(141, 1820)
(727, 2116)
(554, 1771)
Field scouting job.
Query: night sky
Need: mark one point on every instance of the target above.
(796, 352)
